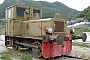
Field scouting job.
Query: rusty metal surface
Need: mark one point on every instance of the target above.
(59, 26)
(77, 37)
(84, 37)
(52, 49)
(19, 13)
(29, 45)
(60, 39)
(15, 46)
(38, 20)
(13, 28)
(37, 51)
(30, 37)
(35, 29)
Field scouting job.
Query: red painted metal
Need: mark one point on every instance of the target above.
(52, 49)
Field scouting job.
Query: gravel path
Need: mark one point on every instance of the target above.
(82, 52)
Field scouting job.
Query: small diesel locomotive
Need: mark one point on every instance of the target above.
(45, 37)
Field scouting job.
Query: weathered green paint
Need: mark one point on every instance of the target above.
(17, 27)
(17, 14)
(35, 29)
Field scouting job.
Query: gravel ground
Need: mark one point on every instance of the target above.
(2, 43)
(82, 52)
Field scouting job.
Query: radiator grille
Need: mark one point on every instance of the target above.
(59, 26)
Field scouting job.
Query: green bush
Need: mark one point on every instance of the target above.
(79, 30)
(5, 55)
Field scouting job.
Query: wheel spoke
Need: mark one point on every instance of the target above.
(37, 51)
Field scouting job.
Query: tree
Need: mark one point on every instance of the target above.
(57, 15)
(3, 22)
(87, 17)
(69, 18)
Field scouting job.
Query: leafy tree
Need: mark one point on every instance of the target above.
(85, 13)
(3, 22)
(57, 15)
(69, 18)
(87, 16)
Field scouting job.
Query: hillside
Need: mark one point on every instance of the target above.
(84, 14)
(49, 9)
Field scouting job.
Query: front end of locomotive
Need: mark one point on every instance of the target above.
(56, 42)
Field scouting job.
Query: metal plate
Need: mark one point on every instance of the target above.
(84, 37)
(59, 26)
(60, 39)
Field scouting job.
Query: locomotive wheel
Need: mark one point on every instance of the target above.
(37, 51)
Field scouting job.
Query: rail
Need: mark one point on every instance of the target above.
(64, 57)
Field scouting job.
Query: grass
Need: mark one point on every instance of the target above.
(80, 44)
(5, 55)
(79, 54)
(79, 30)
(27, 55)
(16, 55)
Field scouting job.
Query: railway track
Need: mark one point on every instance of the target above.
(62, 58)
